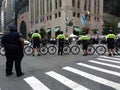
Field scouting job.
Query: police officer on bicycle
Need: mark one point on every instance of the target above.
(84, 40)
(111, 38)
(61, 39)
(36, 37)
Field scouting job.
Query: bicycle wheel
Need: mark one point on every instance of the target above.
(66, 50)
(52, 50)
(2, 51)
(91, 50)
(100, 50)
(28, 50)
(117, 50)
(43, 50)
(75, 50)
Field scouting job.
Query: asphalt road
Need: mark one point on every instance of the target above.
(68, 72)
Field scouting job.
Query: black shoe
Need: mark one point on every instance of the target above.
(38, 55)
(109, 55)
(33, 55)
(9, 74)
(84, 54)
(19, 75)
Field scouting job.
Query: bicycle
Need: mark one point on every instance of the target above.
(75, 49)
(101, 49)
(28, 50)
(2, 50)
(53, 49)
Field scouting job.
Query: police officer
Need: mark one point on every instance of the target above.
(84, 40)
(13, 44)
(36, 37)
(61, 38)
(111, 38)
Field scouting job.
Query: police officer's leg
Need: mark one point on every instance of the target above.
(113, 49)
(9, 64)
(18, 59)
(59, 49)
(38, 49)
(62, 46)
(34, 46)
(109, 49)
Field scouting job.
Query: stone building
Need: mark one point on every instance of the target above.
(55, 15)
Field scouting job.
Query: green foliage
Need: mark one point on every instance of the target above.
(85, 29)
(43, 32)
(95, 31)
(30, 34)
(107, 26)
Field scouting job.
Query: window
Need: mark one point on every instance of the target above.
(73, 3)
(50, 17)
(60, 3)
(55, 15)
(85, 5)
(78, 15)
(55, 4)
(78, 4)
(74, 14)
(59, 14)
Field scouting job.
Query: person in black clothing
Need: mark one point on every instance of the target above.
(13, 44)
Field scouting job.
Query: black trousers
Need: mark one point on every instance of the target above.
(60, 48)
(11, 59)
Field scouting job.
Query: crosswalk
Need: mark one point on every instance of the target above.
(102, 73)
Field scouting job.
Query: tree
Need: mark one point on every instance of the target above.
(43, 32)
(95, 31)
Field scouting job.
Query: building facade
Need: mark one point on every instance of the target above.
(55, 15)
(7, 14)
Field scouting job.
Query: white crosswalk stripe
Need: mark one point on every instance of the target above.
(105, 64)
(101, 59)
(94, 78)
(96, 65)
(109, 57)
(66, 81)
(99, 69)
(35, 83)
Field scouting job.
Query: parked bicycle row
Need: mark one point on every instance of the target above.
(74, 49)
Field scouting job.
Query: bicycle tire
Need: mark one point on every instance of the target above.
(100, 50)
(91, 50)
(43, 50)
(117, 50)
(2, 51)
(75, 50)
(28, 50)
(66, 50)
(52, 50)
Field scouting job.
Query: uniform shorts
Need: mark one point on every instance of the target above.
(111, 46)
(85, 46)
(36, 45)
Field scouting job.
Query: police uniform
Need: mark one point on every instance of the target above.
(84, 40)
(13, 51)
(61, 38)
(110, 41)
(36, 41)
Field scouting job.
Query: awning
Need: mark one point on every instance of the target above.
(56, 29)
(48, 30)
(77, 29)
